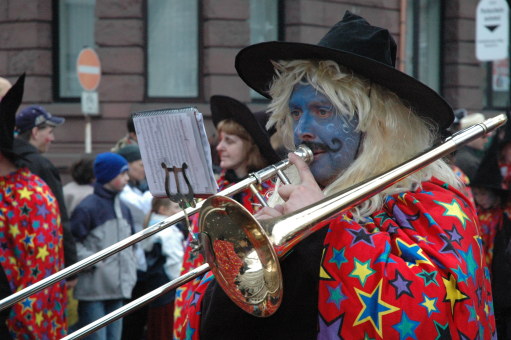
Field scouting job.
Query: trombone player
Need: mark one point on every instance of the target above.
(405, 263)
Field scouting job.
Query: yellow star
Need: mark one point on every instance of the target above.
(429, 304)
(38, 318)
(43, 252)
(25, 193)
(454, 209)
(362, 271)
(452, 293)
(14, 230)
(177, 312)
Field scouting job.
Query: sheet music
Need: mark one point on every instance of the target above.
(175, 137)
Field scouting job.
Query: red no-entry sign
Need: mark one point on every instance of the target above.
(88, 68)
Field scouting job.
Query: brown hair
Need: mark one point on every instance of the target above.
(255, 161)
(156, 204)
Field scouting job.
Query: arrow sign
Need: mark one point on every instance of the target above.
(492, 30)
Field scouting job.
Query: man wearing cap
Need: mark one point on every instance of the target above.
(30, 238)
(34, 129)
(405, 263)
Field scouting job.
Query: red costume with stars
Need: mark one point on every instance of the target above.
(414, 269)
(31, 250)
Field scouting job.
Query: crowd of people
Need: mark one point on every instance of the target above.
(428, 257)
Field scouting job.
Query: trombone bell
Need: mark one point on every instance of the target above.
(241, 256)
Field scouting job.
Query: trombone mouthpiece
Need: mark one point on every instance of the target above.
(305, 153)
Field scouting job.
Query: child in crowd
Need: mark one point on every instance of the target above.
(99, 221)
(164, 254)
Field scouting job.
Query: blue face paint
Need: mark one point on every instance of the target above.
(331, 137)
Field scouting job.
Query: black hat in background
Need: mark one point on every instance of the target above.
(368, 50)
(223, 107)
(488, 174)
(8, 107)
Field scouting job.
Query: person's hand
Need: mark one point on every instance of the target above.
(296, 196)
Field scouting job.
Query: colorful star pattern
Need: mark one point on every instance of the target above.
(30, 253)
(426, 284)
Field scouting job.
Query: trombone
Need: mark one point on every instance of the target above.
(257, 285)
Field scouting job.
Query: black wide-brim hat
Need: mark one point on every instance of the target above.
(8, 107)
(223, 107)
(368, 50)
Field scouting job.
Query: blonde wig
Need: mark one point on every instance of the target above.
(391, 132)
(255, 161)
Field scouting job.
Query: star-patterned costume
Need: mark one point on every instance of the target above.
(189, 296)
(31, 250)
(412, 270)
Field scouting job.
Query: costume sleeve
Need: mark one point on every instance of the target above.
(413, 269)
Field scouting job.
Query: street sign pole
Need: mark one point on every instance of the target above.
(88, 68)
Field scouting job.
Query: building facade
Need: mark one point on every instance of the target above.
(173, 53)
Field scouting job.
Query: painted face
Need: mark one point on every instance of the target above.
(42, 138)
(232, 153)
(331, 137)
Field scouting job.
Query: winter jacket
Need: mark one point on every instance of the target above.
(99, 221)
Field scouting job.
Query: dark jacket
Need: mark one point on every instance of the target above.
(41, 166)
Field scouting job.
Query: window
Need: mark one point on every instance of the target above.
(75, 32)
(264, 25)
(173, 48)
(423, 38)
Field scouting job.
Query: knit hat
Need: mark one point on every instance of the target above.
(109, 165)
(130, 152)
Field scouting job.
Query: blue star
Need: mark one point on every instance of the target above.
(406, 327)
(462, 277)
(373, 308)
(411, 253)
(338, 257)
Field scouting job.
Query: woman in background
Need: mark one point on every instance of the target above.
(243, 147)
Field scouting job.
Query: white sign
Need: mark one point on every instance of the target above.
(90, 103)
(492, 30)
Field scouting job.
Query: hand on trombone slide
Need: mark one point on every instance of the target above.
(295, 196)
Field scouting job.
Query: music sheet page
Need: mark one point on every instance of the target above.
(174, 137)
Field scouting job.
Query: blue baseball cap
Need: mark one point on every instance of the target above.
(33, 116)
